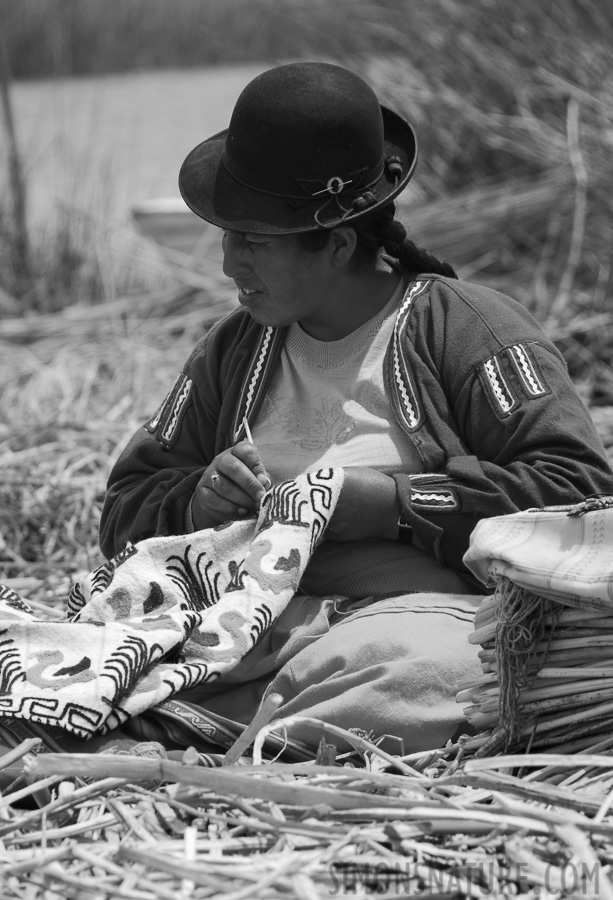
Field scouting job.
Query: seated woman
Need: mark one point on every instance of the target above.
(443, 402)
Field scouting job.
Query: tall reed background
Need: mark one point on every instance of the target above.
(513, 107)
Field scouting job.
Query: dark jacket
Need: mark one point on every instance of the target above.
(476, 385)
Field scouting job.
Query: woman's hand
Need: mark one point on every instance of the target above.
(368, 507)
(231, 487)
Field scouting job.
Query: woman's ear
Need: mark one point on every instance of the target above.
(342, 244)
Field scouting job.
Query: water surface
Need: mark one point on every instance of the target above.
(104, 144)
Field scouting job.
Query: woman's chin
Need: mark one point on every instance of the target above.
(263, 316)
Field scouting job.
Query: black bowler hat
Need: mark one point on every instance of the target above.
(308, 147)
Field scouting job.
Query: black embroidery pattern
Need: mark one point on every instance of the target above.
(190, 675)
(11, 671)
(194, 579)
(283, 505)
(74, 717)
(76, 600)
(191, 622)
(262, 621)
(321, 502)
(155, 599)
(128, 663)
(12, 599)
(288, 563)
(104, 574)
(237, 576)
(84, 665)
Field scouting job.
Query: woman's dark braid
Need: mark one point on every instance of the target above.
(383, 230)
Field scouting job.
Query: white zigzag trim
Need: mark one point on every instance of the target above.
(439, 498)
(412, 417)
(155, 420)
(178, 405)
(411, 412)
(258, 369)
(531, 379)
(493, 375)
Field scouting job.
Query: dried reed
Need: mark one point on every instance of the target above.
(304, 831)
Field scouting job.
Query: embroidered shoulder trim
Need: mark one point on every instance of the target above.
(409, 406)
(526, 367)
(254, 380)
(501, 396)
(152, 425)
(166, 422)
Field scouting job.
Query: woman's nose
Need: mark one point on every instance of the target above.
(235, 255)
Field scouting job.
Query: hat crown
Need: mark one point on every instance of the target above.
(295, 127)
(308, 147)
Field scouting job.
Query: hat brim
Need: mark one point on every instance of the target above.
(213, 194)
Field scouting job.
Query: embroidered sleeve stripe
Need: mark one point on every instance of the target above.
(433, 499)
(176, 410)
(527, 371)
(154, 421)
(161, 414)
(409, 405)
(258, 369)
(501, 394)
(254, 378)
(415, 289)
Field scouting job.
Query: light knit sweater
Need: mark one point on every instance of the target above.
(327, 405)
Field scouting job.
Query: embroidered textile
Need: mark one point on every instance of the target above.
(163, 616)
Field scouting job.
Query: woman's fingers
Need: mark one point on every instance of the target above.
(224, 490)
(209, 509)
(249, 454)
(218, 500)
(231, 487)
(222, 510)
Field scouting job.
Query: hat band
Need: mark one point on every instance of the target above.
(357, 181)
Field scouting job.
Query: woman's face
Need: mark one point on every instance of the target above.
(278, 282)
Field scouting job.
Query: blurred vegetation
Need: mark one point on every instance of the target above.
(83, 37)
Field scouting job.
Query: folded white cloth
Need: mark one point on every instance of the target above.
(564, 553)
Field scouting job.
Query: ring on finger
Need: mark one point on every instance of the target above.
(215, 478)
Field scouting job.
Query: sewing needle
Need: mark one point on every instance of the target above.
(250, 439)
(247, 429)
